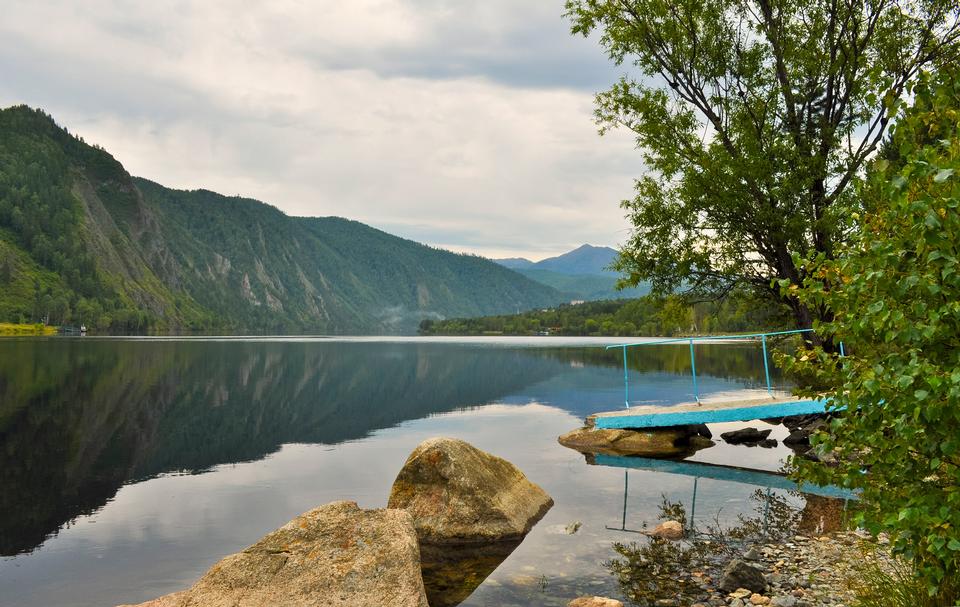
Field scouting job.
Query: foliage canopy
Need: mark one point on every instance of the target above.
(894, 298)
(754, 117)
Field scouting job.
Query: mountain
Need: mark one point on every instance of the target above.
(82, 241)
(515, 263)
(586, 259)
(582, 273)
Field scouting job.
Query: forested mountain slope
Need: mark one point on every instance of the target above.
(81, 241)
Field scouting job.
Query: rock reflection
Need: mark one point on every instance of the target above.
(452, 572)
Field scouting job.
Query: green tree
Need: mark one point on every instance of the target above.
(894, 297)
(754, 118)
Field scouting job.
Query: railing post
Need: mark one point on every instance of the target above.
(766, 366)
(693, 368)
(693, 506)
(626, 384)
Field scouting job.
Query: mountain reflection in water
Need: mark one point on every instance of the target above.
(81, 418)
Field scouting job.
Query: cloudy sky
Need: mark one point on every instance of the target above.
(462, 124)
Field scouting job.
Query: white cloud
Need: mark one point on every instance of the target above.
(464, 125)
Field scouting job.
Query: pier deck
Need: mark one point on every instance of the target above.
(654, 416)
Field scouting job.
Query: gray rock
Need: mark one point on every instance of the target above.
(753, 554)
(333, 555)
(739, 574)
(783, 601)
(457, 494)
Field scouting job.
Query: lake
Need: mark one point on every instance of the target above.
(129, 466)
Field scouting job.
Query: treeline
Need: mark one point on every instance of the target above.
(648, 315)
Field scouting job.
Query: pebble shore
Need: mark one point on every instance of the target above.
(801, 572)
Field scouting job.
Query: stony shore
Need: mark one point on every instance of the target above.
(800, 572)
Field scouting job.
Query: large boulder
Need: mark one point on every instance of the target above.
(333, 555)
(459, 494)
(678, 441)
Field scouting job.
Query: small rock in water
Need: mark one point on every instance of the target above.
(594, 601)
(739, 574)
(573, 527)
(746, 435)
(668, 530)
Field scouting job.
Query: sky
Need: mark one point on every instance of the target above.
(461, 124)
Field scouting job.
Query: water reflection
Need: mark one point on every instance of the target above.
(79, 418)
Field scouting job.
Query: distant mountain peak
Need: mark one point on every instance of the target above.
(585, 259)
(514, 263)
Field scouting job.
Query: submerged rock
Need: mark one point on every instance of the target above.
(334, 555)
(458, 494)
(451, 572)
(594, 601)
(662, 442)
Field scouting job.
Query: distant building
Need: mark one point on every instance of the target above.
(576, 302)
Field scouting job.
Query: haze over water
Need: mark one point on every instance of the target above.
(129, 466)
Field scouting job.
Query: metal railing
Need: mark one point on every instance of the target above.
(693, 361)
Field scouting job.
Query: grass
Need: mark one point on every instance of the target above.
(896, 586)
(10, 328)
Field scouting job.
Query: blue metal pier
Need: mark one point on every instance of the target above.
(699, 412)
(654, 416)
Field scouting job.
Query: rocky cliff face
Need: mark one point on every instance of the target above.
(160, 259)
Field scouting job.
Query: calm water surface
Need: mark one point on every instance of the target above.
(129, 466)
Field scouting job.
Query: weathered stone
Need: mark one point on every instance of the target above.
(594, 601)
(768, 443)
(457, 493)
(663, 442)
(333, 555)
(746, 435)
(667, 530)
(739, 574)
(783, 601)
